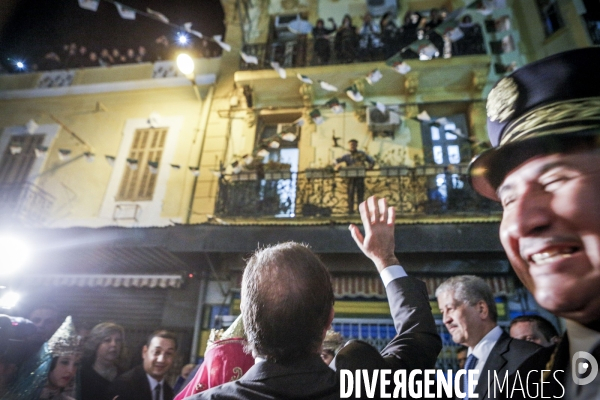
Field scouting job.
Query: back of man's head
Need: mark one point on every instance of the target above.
(287, 300)
(470, 289)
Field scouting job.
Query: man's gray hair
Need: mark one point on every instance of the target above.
(469, 289)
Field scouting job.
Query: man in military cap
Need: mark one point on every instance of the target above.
(544, 124)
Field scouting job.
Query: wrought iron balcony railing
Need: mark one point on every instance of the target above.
(25, 203)
(424, 190)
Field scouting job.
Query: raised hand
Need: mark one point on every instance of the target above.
(378, 241)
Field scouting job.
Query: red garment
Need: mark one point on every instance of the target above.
(224, 361)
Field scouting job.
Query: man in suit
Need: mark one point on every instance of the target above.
(533, 328)
(287, 306)
(146, 381)
(544, 124)
(469, 313)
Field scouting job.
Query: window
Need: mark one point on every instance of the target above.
(550, 14)
(138, 183)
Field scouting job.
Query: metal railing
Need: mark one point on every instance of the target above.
(25, 203)
(423, 190)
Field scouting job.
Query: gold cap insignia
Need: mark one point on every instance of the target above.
(501, 100)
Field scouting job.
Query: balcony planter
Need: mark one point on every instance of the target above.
(353, 172)
(319, 173)
(393, 171)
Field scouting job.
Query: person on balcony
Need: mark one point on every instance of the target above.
(322, 48)
(389, 35)
(356, 185)
(346, 39)
(369, 44)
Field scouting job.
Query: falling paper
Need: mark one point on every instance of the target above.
(315, 114)
(132, 163)
(188, 27)
(305, 79)
(278, 69)
(381, 107)
(91, 5)
(299, 121)
(161, 17)
(327, 86)
(110, 160)
(248, 59)
(223, 45)
(40, 151)
(31, 126)
(125, 12)
(154, 119)
(354, 94)
(402, 68)
(335, 106)
(423, 116)
(89, 157)
(263, 153)
(153, 167)
(196, 171)
(289, 136)
(64, 154)
(374, 76)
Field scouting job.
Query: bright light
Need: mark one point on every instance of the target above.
(185, 64)
(20, 65)
(15, 253)
(182, 38)
(9, 300)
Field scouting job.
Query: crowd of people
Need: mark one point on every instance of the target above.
(75, 55)
(380, 40)
(543, 168)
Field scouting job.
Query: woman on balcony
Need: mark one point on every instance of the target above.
(322, 48)
(346, 40)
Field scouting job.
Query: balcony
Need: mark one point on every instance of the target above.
(323, 193)
(25, 203)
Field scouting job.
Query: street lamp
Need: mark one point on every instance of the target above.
(14, 254)
(186, 65)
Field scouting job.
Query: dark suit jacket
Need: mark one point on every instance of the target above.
(134, 385)
(416, 345)
(507, 355)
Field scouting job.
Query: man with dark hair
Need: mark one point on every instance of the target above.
(287, 306)
(147, 381)
(469, 313)
(46, 319)
(461, 356)
(534, 328)
(356, 184)
(544, 124)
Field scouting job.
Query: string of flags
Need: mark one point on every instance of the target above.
(130, 13)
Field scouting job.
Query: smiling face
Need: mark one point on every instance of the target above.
(550, 231)
(64, 370)
(158, 357)
(110, 348)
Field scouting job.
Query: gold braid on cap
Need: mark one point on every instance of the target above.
(501, 100)
(573, 115)
(332, 341)
(65, 341)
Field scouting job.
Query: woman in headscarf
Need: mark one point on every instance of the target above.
(51, 373)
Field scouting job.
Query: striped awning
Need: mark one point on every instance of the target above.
(106, 280)
(372, 286)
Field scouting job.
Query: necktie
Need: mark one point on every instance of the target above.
(157, 389)
(470, 364)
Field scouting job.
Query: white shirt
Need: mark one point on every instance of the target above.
(484, 347)
(153, 382)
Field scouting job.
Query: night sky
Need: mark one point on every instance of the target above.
(41, 26)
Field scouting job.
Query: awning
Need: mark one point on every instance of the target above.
(105, 280)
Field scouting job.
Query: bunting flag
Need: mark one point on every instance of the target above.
(354, 94)
(374, 76)
(424, 116)
(248, 59)
(159, 16)
(132, 163)
(380, 106)
(41, 151)
(442, 121)
(289, 136)
(335, 106)
(216, 173)
(16, 149)
(398, 64)
(110, 160)
(154, 119)
(451, 30)
(424, 48)
(278, 69)
(188, 28)
(89, 156)
(31, 126)
(300, 121)
(91, 5)
(402, 68)
(484, 7)
(176, 166)
(195, 171)
(153, 167)
(248, 159)
(64, 154)
(327, 86)
(125, 12)
(305, 79)
(274, 144)
(223, 45)
(263, 153)
(316, 116)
